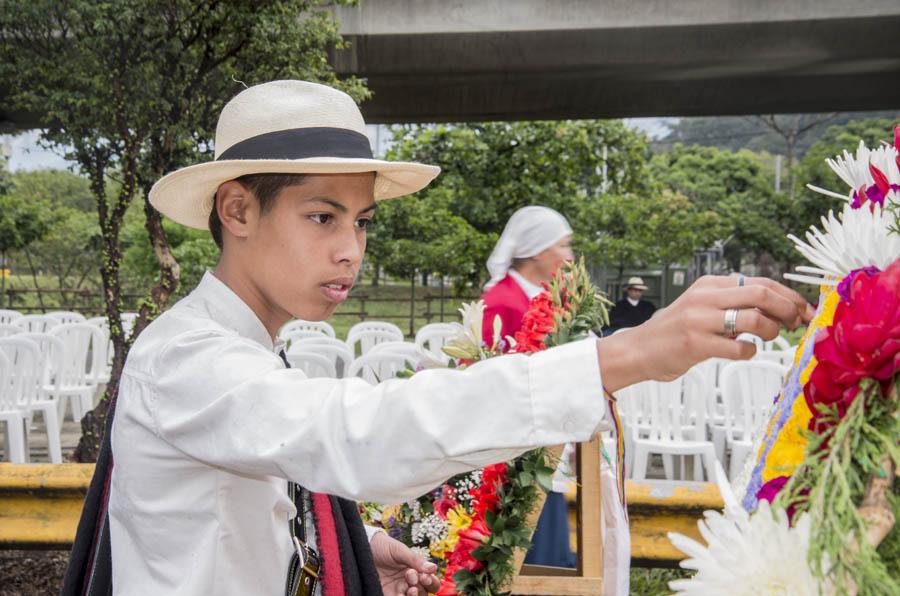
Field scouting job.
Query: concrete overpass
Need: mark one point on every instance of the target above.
(455, 60)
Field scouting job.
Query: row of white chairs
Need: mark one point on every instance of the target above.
(713, 409)
(373, 350)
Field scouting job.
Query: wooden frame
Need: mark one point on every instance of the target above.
(587, 578)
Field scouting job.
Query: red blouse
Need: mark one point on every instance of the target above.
(508, 300)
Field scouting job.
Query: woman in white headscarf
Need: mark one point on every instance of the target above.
(533, 246)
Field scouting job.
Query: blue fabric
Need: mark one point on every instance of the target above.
(550, 544)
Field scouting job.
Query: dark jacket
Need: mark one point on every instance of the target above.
(623, 314)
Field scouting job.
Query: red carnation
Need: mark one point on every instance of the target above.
(862, 342)
(470, 539)
(448, 586)
(446, 502)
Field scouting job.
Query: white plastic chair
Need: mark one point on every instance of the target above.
(67, 316)
(50, 359)
(320, 327)
(333, 349)
(27, 369)
(666, 433)
(380, 366)
(36, 323)
(102, 355)
(779, 343)
(11, 415)
(434, 336)
(369, 333)
(403, 348)
(7, 316)
(313, 364)
(7, 329)
(73, 381)
(749, 389)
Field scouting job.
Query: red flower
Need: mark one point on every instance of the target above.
(448, 586)
(536, 324)
(469, 539)
(862, 342)
(446, 502)
(485, 496)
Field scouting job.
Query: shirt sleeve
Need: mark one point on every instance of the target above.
(228, 402)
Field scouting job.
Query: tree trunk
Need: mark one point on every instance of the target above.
(169, 270)
(34, 280)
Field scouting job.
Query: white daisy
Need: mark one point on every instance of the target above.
(853, 169)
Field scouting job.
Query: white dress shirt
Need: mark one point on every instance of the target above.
(210, 424)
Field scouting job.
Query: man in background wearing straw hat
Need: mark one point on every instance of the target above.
(235, 474)
(631, 311)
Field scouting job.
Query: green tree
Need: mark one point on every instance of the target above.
(488, 171)
(22, 222)
(133, 89)
(753, 217)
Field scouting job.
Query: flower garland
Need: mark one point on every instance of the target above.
(472, 525)
(827, 460)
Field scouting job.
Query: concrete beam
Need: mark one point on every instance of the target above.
(40, 505)
(429, 60)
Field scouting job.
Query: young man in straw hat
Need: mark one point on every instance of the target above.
(231, 470)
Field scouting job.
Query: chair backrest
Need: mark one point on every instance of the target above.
(749, 389)
(434, 336)
(663, 407)
(380, 366)
(333, 349)
(36, 323)
(296, 336)
(67, 316)
(105, 353)
(403, 348)
(370, 333)
(779, 343)
(52, 351)
(320, 327)
(697, 394)
(78, 339)
(315, 365)
(25, 357)
(754, 339)
(7, 329)
(6, 366)
(8, 316)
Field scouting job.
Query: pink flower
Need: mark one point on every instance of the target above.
(862, 342)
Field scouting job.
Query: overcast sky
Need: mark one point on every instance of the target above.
(23, 151)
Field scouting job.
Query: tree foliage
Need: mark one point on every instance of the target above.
(734, 185)
(132, 90)
(488, 171)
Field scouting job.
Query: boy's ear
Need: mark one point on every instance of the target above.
(237, 208)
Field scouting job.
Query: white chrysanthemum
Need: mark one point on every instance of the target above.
(854, 239)
(853, 169)
(885, 159)
(758, 554)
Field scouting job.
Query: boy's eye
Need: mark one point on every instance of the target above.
(321, 218)
(363, 222)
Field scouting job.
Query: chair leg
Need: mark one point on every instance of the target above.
(639, 470)
(15, 440)
(54, 443)
(87, 403)
(61, 407)
(668, 466)
(698, 467)
(719, 442)
(709, 461)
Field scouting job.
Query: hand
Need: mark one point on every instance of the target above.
(692, 329)
(402, 572)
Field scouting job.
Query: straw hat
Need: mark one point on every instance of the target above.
(284, 127)
(636, 282)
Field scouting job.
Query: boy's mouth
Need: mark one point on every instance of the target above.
(336, 290)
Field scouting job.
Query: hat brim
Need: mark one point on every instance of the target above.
(186, 195)
(636, 287)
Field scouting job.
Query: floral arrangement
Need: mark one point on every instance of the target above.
(820, 498)
(472, 525)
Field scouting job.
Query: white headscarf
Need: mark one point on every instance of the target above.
(529, 231)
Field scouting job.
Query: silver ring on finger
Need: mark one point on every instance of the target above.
(742, 280)
(731, 322)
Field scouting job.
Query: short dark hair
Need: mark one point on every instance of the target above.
(265, 187)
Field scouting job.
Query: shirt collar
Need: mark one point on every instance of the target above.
(632, 301)
(228, 309)
(531, 290)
